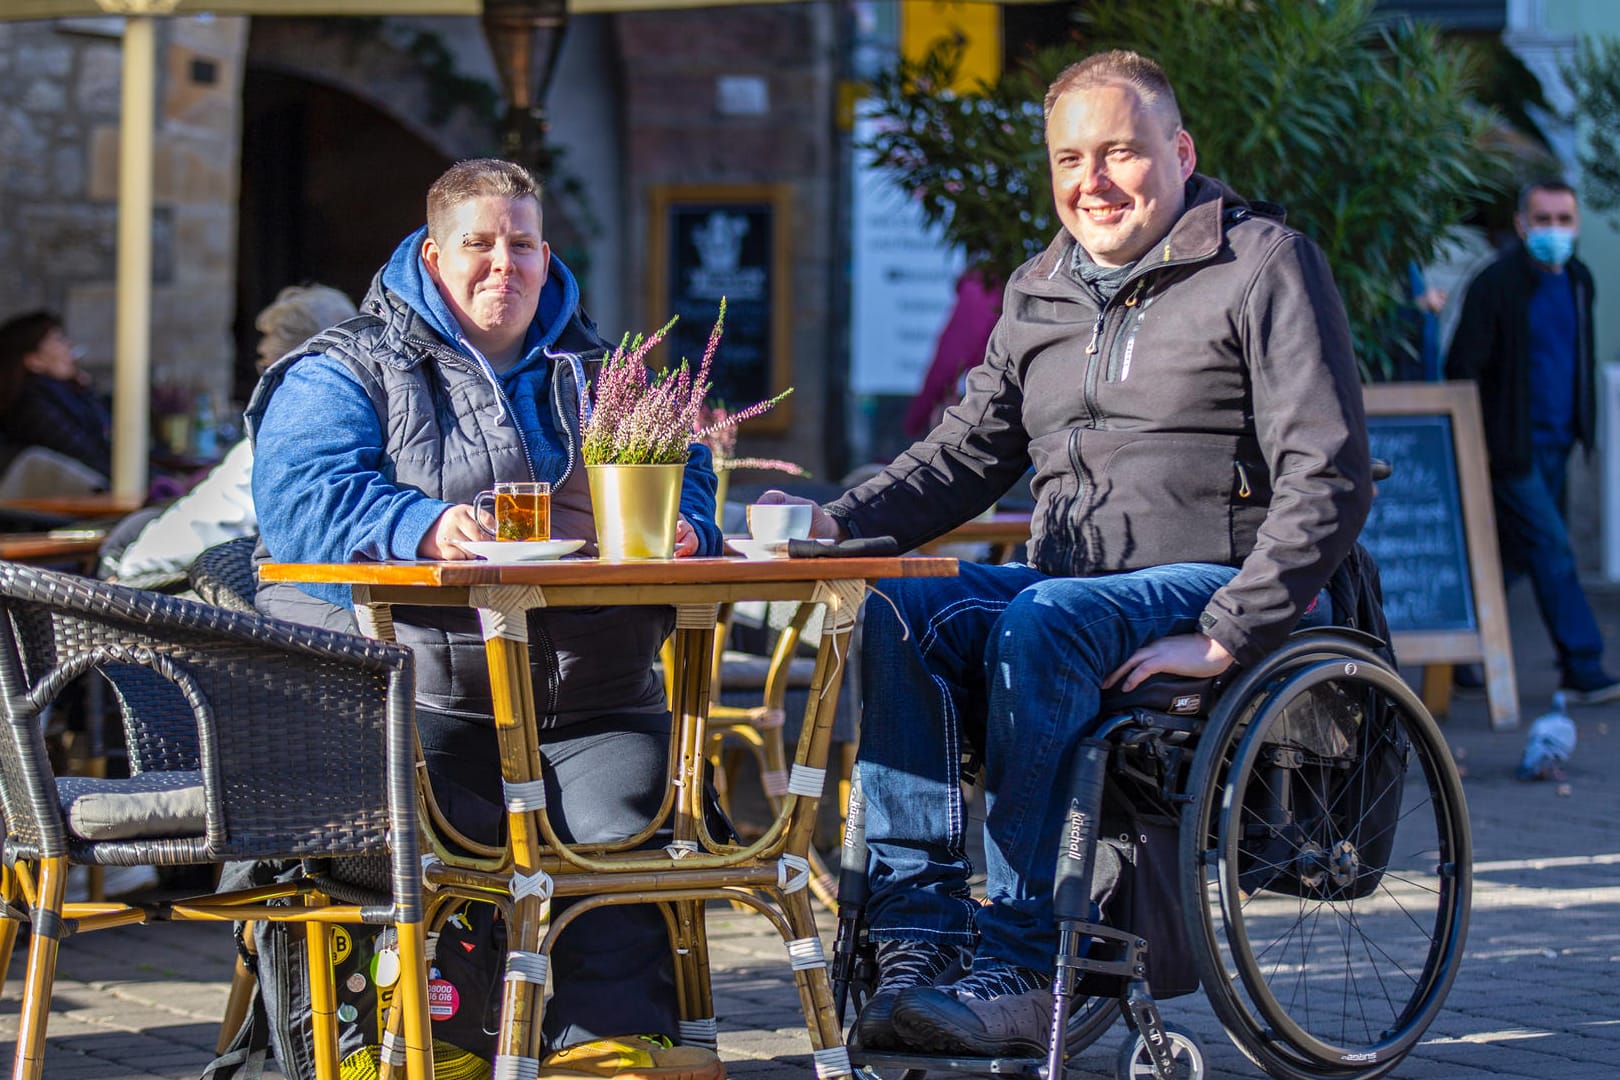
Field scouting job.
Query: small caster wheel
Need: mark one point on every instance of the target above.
(1135, 1063)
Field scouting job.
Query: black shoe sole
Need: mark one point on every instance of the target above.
(935, 1022)
(874, 1027)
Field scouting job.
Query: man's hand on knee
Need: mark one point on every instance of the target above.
(1180, 654)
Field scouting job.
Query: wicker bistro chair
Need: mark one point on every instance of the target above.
(248, 738)
(223, 575)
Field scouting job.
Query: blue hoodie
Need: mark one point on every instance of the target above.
(321, 481)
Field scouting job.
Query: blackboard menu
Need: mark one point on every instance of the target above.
(1415, 528)
(723, 249)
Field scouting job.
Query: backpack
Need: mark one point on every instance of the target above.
(467, 956)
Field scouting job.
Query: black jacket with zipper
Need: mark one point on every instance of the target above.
(1209, 412)
(1492, 347)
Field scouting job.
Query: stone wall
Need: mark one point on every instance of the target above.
(59, 186)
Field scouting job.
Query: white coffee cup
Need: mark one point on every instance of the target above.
(776, 522)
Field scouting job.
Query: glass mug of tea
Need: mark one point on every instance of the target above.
(522, 510)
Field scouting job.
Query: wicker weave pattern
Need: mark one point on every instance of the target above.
(223, 575)
(290, 726)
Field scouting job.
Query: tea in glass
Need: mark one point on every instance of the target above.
(522, 510)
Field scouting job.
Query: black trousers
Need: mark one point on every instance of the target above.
(611, 970)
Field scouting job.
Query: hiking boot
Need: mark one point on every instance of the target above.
(996, 1010)
(1596, 688)
(633, 1057)
(902, 965)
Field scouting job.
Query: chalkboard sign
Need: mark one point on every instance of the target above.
(1415, 528)
(1433, 533)
(715, 242)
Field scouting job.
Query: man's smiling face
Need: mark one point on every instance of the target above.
(1118, 171)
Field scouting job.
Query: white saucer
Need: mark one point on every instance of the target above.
(516, 551)
(761, 549)
(758, 549)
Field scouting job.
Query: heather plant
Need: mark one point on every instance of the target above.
(720, 436)
(636, 417)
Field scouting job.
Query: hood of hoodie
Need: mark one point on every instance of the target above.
(406, 276)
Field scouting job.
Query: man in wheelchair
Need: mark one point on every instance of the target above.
(1177, 368)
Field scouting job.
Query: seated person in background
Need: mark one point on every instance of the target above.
(466, 367)
(220, 508)
(46, 400)
(1177, 367)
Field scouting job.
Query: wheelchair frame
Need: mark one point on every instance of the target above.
(1272, 803)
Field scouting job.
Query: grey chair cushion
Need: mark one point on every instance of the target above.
(148, 806)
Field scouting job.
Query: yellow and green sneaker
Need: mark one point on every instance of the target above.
(449, 1063)
(633, 1057)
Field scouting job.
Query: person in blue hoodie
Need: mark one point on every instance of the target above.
(466, 366)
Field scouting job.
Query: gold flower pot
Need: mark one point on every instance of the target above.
(635, 507)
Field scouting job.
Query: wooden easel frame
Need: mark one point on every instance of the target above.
(1490, 644)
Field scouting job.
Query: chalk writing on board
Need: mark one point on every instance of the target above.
(719, 249)
(1415, 527)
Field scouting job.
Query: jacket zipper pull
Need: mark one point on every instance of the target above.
(1243, 481)
(1096, 335)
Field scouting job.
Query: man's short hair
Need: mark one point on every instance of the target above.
(476, 179)
(22, 334)
(1144, 76)
(1556, 184)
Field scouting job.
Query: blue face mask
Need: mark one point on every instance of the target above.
(1550, 246)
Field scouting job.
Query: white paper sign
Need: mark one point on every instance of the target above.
(903, 277)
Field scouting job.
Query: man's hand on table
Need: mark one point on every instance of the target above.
(455, 524)
(823, 526)
(686, 538)
(1194, 655)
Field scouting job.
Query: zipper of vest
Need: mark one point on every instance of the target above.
(505, 402)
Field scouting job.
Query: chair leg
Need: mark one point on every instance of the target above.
(43, 940)
(9, 893)
(412, 1002)
(322, 994)
(236, 1005)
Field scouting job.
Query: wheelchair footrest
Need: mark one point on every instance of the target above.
(1000, 1066)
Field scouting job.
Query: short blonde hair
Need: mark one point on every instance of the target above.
(298, 313)
(1144, 76)
(476, 179)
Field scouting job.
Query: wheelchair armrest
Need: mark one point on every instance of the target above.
(1178, 695)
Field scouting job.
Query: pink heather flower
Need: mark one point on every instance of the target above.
(631, 416)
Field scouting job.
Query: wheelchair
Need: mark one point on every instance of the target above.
(1295, 842)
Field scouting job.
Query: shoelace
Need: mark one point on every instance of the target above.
(993, 982)
(903, 964)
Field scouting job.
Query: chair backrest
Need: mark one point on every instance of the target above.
(303, 737)
(223, 575)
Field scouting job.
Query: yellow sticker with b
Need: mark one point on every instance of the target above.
(342, 945)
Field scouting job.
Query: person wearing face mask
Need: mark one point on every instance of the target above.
(1525, 336)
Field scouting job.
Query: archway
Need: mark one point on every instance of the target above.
(330, 184)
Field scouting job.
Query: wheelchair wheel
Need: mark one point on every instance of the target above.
(1327, 869)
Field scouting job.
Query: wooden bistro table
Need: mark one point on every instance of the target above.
(768, 875)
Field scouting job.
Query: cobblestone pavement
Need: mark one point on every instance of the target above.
(1538, 994)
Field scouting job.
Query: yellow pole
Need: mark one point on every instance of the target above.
(133, 328)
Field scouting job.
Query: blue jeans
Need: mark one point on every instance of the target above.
(1535, 541)
(1008, 660)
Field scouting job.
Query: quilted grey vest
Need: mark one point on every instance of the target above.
(448, 434)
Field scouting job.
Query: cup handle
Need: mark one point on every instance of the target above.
(477, 505)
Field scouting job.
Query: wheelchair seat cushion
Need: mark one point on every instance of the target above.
(147, 806)
(1178, 695)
